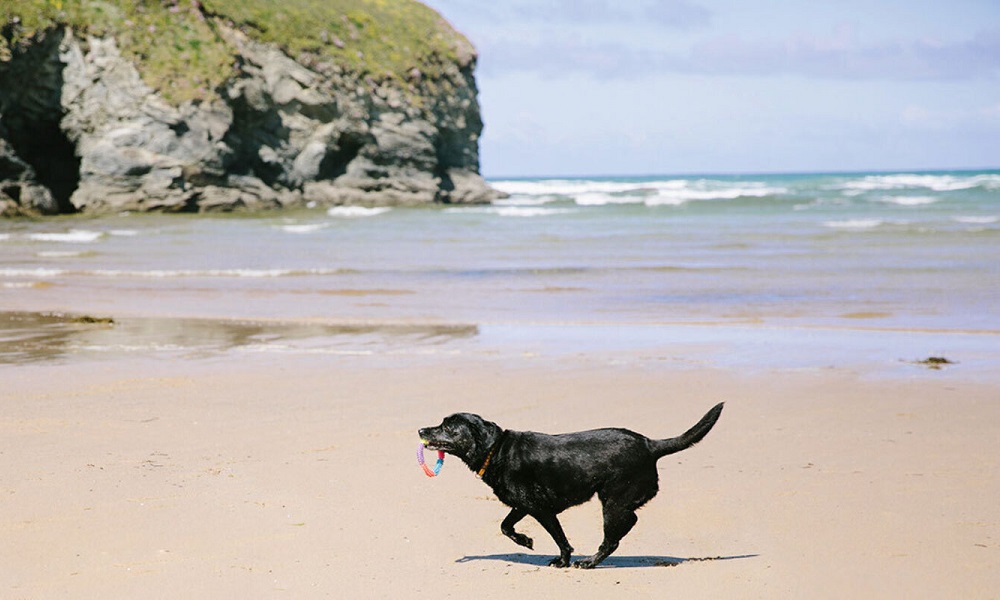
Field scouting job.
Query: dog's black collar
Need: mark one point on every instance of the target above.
(489, 457)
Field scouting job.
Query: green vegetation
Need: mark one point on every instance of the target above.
(369, 36)
(182, 54)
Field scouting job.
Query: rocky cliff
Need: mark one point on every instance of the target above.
(187, 106)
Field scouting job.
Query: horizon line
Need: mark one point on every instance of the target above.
(738, 173)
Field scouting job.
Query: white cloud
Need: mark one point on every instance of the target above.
(839, 55)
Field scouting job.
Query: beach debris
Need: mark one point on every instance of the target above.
(935, 362)
(90, 320)
(59, 318)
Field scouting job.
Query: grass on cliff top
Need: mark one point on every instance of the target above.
(181, 54)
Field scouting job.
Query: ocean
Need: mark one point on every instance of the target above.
(803, 270)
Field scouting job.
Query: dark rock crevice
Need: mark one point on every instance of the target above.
(255, 136)
(46, 148)
(340, 155)
(30, 121)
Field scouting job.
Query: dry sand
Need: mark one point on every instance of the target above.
(244, 477)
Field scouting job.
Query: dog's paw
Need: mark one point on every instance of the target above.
(559, 562)
(522, 540)
(585, 563)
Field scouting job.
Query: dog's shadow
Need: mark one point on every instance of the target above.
(612, 562)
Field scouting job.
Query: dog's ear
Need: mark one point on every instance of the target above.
(482, 427)
(474, 437)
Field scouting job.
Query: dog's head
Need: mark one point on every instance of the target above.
(465, 435)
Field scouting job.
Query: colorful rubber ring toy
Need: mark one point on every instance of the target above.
(420, 460)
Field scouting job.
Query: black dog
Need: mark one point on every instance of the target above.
(542, 475)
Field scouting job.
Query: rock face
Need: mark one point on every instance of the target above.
(80, 131)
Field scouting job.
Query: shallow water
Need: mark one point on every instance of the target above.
(622, 259)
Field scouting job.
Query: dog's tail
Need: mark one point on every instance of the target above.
(690, 437)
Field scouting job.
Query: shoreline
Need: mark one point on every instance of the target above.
(27, 337)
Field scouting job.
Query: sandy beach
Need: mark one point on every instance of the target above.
(242, 475)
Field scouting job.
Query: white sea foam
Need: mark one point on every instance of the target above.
(124, 232)
(508, 210)
(355, 212)
(984, 220)
(936, 183)
(60, 254)
(855, 224)
(17, 285)
(74, 236)
(528, 211)
(683, 196)
(35, 273)
(307, 228)
(594, 191)
(909, 200)
(604, 199)
(663, 192)
(566, 187)
(4, 237)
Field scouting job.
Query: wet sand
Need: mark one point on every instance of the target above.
(243, 474)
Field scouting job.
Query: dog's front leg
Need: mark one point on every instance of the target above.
(551, 525)
(507, 528)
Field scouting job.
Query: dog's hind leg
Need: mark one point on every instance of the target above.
(620, 501)
(551, 525)
(507, 528)
(617, 523)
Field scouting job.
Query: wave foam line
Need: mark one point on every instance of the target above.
(304, 228)
(594, 192)
(909, 200)
(509, 210)
(42, 273)
(355, 212)
(973, 220)
(74, 236)
(936, 183)
(855, 224)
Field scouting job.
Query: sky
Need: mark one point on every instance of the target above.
(647, 87)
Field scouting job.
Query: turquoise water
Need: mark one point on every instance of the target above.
(913, 252)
